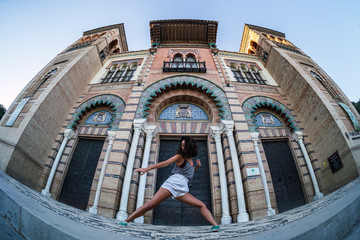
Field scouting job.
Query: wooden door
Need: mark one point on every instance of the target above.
(173, 212)
(285, 177)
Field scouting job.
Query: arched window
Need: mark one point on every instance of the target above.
(236, 72)
(122, 73)
(247, 73)
(326, 85)
(130, 72)
(249, 77)
(109, 74)
(253, 44)
(177, 61)
(190, 61)
(257, 74)
(38, 84)
(119, 73)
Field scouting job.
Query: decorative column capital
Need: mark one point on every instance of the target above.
(227, 126)
(216, 132)
(255, 136)
(69, 133)
(297, 135)
(150, 131)
(139, 125)
(111, 136)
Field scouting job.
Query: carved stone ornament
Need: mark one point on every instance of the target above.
(183, 111)
(99, 117)
(267, 119)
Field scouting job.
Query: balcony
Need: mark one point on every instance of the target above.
(184, 67)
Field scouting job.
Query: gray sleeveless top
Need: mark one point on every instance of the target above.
(187, 171)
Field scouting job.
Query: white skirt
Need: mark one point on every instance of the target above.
(177, 184)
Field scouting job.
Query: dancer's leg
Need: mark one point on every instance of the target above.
(193, 201)
(161, 195)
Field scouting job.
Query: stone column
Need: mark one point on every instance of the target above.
(216, 134)
(255, 138)
(228, 127)
(298, 136)
(150, 131)
(139, 125)
(111, 137)
(68, 134)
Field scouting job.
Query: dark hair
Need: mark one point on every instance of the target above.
(190, 149)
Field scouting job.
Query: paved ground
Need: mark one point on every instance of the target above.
(25, 213)
(354, 234)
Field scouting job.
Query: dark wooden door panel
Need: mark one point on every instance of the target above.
(286, 182)
(77, 184)
(173, 212)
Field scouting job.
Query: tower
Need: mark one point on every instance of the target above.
(40, 109)
(324, 108)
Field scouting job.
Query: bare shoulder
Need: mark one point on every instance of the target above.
(176, 158)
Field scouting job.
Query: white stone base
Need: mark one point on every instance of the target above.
(225, 220)
(318, 196)
(121, 215)
(139, 219)
(93, 210)
(45, 193)
(243, 217)
(271, 212)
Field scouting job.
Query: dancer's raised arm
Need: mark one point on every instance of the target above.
(159, 165)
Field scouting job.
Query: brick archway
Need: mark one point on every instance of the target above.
(184, 95)
(206, 87)
(251, 104)
(116, 104)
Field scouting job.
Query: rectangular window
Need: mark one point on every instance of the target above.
(258, 78)
(118, 76)
(238, 76)
(16, 112)
(249, 77)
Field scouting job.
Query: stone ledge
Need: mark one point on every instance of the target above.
(32, 216)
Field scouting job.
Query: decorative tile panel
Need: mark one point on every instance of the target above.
(192, 112)
(266, 119)
(99, 118)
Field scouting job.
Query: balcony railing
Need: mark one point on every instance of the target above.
(184, 67)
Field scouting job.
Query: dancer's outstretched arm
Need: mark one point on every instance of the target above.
(175, 158)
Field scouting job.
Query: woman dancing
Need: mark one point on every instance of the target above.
(177, 184)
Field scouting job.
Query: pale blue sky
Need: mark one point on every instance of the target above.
(34, 32)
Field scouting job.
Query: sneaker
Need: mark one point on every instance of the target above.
(215, 228)
(123, 223)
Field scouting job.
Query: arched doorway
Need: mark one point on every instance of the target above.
(275, 122)
(185, 105)
(91, 121)
(199, 186)
(183, 113)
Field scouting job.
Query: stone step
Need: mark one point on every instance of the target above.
(30, 215)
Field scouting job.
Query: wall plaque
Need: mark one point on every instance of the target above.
(335, 162)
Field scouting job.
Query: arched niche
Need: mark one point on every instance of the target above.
(115, 103)
(252, 104)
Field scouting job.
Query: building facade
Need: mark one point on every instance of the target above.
(274, 130)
